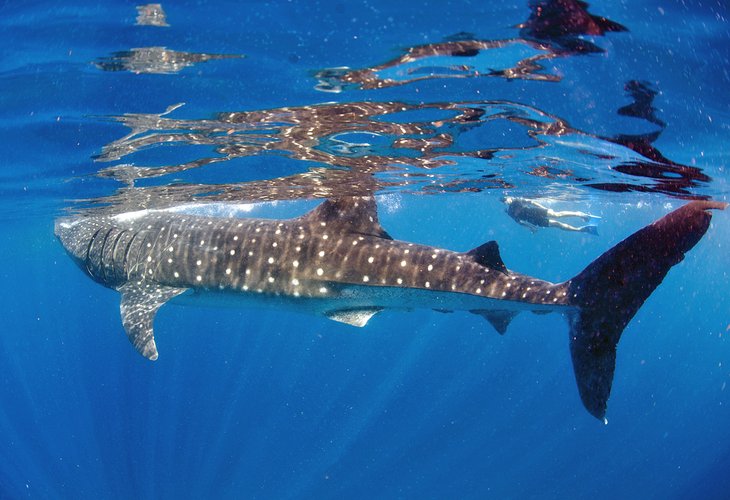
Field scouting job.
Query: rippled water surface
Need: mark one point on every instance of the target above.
(439, 111)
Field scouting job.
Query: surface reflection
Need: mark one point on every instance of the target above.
(553, 29)
(158, 60)
(360, 148)
(151, 15)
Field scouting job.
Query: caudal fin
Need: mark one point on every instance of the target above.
(613, 287)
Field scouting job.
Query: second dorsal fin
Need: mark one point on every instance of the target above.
(488, 255)
(351, 214)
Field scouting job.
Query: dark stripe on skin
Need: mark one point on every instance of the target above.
(88, 253)
(126, 254)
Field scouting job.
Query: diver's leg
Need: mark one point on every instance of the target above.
(570, 213)
(562, 225)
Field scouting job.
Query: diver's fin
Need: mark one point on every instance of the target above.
(354, 317)
(614, 286)
(488, 255)
(350, 214)
(139, 305)
(500, 320)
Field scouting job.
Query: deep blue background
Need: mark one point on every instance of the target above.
(246, 404)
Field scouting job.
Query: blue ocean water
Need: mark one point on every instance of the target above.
(439, 110)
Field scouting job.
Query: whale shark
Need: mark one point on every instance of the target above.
(339, 262)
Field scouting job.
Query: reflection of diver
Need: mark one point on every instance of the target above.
(533, 215)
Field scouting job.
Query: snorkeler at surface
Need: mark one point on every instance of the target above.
(531, 214)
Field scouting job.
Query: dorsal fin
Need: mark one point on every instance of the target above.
(488, 255)
(352, 214)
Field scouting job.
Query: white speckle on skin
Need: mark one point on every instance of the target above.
(176, 274)
(371, 260)
(202, 242)
(149, 258)
(479, 290)
(170, 249)
(248, 271)
(274, 244)
(199, 278)
(169, 261)
(321, 253)
(322, 290)
(271, 279)
(320, 271)
(430, 267)
(324, 236)
(403, 263)
(295, 282)
(271, 260)
(428, 285)
(235, 238)
(399, 281)
(366, 279)
(228, 271)
(198, 262)
(233, 252)
(295, 263)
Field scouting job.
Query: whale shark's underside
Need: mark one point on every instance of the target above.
(338, 261)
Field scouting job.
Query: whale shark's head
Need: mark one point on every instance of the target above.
(75, 234)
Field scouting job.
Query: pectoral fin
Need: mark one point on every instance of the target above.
(139, 305)
(354, 317)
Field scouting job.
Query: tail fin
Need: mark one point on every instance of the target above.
(613, 287)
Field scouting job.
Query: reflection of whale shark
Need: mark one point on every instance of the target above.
(339, 262)
(157, 60)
